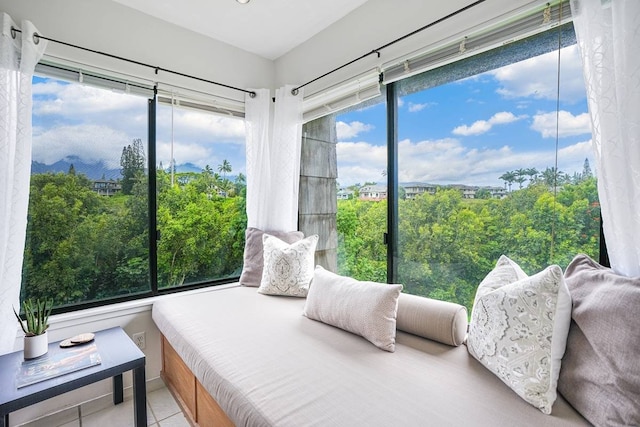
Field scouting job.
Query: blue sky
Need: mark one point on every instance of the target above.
(94, 125)
(474, 130)
(466, 132)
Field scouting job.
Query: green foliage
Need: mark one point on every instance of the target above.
(132, 162)
(448, 244)
(37, 316)
(83, 247)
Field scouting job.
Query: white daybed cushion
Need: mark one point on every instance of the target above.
(268, 365)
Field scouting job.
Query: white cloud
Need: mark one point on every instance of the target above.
(185, 152)
(94, 124)
(76, 100)
(482, 126)
(199, 126)
(447, 161)
(91, 143)
(414, 108)
(359, 162)
(570, 125)
(351, 130)
(537, 77)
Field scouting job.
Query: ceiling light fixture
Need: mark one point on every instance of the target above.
(243, 1)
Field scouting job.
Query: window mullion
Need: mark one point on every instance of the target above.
(153, 203)
(392, 183)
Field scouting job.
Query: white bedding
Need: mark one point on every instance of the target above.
(268, 365)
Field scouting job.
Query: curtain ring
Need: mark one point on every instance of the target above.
(13, 32)
(36, 38)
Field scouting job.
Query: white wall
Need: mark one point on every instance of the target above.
(113, 28)
(375, 24)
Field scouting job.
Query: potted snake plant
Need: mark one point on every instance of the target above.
(36, 339)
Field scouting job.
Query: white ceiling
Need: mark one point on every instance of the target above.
(269, 28)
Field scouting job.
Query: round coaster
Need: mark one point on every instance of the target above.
(82, 338)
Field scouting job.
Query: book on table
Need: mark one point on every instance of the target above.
(56, 363)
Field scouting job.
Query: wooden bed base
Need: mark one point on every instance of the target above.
(196, 403)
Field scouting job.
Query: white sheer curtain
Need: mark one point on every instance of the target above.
(274, 138)
(19, 54)
(608, 34)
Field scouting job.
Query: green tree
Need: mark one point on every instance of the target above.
(520, 177)
(225, 168)
(132, 162)
(483, 193)
(586, 170)
(532, 173)
(508, 178)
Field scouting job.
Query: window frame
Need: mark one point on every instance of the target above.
(393, 93)
(50, 70)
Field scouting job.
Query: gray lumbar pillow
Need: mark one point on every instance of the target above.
(367, 309)
(600, 374)
(254, 253)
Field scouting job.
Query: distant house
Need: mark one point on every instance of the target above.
(497, 192)
(415, 189)
(106, 187)
(344, 194)
(373, 193)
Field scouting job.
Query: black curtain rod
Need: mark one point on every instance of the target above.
(37, 36)
(295, 90)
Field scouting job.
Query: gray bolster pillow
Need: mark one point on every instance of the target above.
(441, 321)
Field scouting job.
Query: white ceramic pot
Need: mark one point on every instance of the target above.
(36, 345)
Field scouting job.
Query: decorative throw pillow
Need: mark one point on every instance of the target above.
(367, 309)
(519, 329)
(254, 253)
(505, 272)
(600, 374)
(288, 268)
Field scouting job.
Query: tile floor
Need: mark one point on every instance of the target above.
(162, 411)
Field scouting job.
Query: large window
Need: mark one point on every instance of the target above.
(93, 234)
(201, 196)
(88, 212)
(484, 169)
(362, 192)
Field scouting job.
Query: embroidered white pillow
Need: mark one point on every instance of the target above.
(288, 268)
(519, 329)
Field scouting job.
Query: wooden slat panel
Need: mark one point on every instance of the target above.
(179, 377)
(209, 412)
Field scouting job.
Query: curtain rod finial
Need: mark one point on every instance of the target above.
(294, 91)
(252, 94)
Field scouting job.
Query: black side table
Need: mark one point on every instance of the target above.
(118, 354)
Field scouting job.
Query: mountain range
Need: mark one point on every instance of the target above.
(93, 171)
